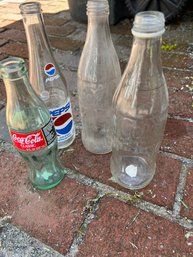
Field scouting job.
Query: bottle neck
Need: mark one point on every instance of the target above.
(146, 52)
(19, 91)
(98, 28)
(35, 33)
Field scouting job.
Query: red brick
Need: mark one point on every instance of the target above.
(122, 28)
(178, 138)
(187, 209)
(125, 41)
(65, 44)
(2, 93)
(178, 79)
(13, 34)
(15, 49)
(119, 229)
(50, 20)
(174, 60)
(98, 167)
(167, 173)
(18, 25)
(174, 78)
(2, 56)
(180, 104)
(60, 31)
(1, 30)
(3, 42)
(52, 216)
(92, 165)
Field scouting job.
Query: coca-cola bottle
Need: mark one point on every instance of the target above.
(45, 75)
(30, 126)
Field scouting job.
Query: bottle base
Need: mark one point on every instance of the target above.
(132, 172)
(48, 179)
(48, 186)
(97, 145)
(97, 151)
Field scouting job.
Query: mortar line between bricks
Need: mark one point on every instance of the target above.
(176, 69)
(188, 162)
(180, 191)
(180, 118)
(127, 198)
(105, 189)
(91, 207)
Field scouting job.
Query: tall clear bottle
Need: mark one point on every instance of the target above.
(98, 76)
(30, 126)
(45, 75)
(140, 106)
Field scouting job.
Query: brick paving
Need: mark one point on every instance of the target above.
(88, 215)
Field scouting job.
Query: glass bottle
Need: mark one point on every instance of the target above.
(45, 75)
(30, 126)
(140, 106)
(98, 76)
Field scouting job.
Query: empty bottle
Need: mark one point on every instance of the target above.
(30, 126)
(140, 106)
(98, 76)
(45, 75)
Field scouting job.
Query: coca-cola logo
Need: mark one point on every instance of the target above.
(35, 140)
(28, 140)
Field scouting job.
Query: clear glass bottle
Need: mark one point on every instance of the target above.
(45, 75)
(30, 126)
(98, 76)
(140, 106)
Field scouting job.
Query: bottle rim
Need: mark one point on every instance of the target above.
(97, 7)
(30, 8)
(12, 67)
(148, 24)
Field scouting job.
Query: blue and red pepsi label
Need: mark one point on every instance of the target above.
(50, 69)
(63, 121)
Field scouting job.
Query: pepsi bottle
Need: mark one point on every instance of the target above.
(45, 75)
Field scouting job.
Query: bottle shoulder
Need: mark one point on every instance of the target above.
(134, 102)
(27, 118)
(97, 67)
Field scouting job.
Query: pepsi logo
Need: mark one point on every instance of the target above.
(63, 124)
(50, 69)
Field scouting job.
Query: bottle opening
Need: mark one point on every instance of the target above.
(98, 7)
(12, 67)
(148, 24)
(30, 8)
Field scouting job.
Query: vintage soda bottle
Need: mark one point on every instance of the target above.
(98, 76)
(30, 126)
(45, 75)
(140, 106)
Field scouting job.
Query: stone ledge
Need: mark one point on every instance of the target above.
(16, 243)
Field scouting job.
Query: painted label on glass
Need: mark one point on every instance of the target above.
(63, 121)
(50, 71)
(35, 140)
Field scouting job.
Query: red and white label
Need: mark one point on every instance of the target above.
(29, 142)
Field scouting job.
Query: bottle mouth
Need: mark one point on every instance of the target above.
(30, 8)
(98, 7)
(148, 24)
(12, 68)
